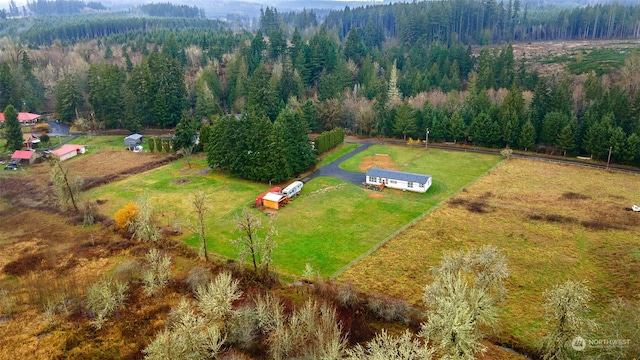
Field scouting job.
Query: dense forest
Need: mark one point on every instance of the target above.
(375, 71)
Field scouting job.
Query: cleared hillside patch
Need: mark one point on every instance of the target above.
(536, 213)
(330, 224)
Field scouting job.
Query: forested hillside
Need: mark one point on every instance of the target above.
(391, 70)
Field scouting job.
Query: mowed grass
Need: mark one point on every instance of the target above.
(330, 224)
(339, 151)
(553, 222)
(106, 142)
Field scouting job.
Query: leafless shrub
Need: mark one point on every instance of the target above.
(157, 271)
(310, 332)
(269, 313)
(198, 276)
(242, 327)
(388, 309)
(187, 336)
(90, 212)
(215, 300)
(104, 298)
(346, 295)
(144, 227)
(387, 347)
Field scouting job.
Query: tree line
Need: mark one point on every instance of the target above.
(155, 78)
(488, 22)
(253, 147)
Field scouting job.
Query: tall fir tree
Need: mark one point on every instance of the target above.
(13, 131)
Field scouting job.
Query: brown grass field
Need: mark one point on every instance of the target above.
(553, 222)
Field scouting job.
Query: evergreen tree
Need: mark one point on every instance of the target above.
(565, 141)
(480, 130)
(527, 139)
(68, 99)
(394, 93)
(262, 99)
(309, 115)
(597, 138)
(7, 85)
(551, 126)
(405, 122)
(13, 131)
(297, 145)
(456, 127)
(185, 133)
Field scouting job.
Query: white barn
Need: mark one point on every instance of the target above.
(399, 180)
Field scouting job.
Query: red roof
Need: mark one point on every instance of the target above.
(67, 148)
(22, 154)
(23, 116)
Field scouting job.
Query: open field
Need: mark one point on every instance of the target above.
(553, 222)
(329, 225)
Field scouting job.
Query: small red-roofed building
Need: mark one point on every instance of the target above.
(67, 151)
(20, 156)
(25, 119)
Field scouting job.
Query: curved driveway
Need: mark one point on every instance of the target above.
(333, 170)
(58, 129)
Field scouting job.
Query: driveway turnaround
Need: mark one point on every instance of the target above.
(333, 170)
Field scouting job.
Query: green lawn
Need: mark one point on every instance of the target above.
(95, 143)
(339, 151)
(330, 224)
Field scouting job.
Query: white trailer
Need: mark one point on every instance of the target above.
(293, 189)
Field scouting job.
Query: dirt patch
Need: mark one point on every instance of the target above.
(595, 224)
(552, 218)
(574, 196)
(375, 195)
(383, 161)
(180, 181)
(479, 206)
(204, 171)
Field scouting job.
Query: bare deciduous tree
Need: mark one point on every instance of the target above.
(215, 300)
(387, 347)
(67, 188)
(200, 207)
(188, 336)
(143, 227)
(463, 296)
(251, 244)
(104, 298)
(157, 271)
(566, 307)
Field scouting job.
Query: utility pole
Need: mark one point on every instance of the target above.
(426, 141)
(609, 157)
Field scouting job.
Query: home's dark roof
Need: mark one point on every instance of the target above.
(134, 137)
(398, 175)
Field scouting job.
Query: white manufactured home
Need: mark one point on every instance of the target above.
(398, 180)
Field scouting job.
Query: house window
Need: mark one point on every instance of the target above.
(393, 182)
(421, 185)
(373, 179)
(409, 184)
